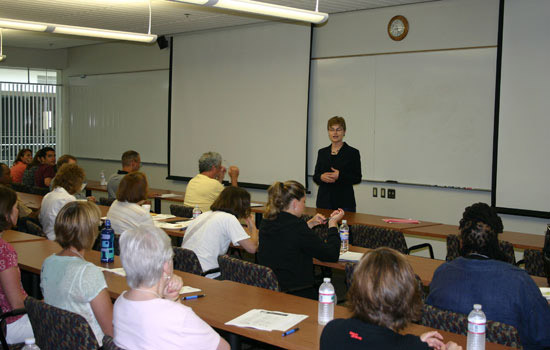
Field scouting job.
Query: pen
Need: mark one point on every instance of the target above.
(275, 313)
(290, 331)
(193, 297)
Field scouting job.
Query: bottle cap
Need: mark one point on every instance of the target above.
(477, 306)
(107, 223)
(29, 341)
(326, 279)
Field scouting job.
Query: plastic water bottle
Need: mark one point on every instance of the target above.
(476, 329)
(327, 300)
(30, 345)
(344, 237)
(102, 180)
(107, 243)
(196, 212)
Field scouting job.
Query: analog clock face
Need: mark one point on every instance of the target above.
(398, 27)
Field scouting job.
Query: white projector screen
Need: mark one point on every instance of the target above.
(523, 168)
(242, 92)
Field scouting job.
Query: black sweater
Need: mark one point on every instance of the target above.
(288, 246)
(340, 193)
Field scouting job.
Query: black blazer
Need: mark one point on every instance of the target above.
(339, 194)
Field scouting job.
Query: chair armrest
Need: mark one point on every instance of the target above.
(217, 269)
(420, 246)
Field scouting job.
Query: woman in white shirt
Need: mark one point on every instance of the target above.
(211, 233)
(67, 280)
(68, 181)
(126, 211)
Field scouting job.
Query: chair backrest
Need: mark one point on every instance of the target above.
(57, 329)
(241, 271)
(495, 332)
(34, 229)
(534, 262)
(546, 254)
(106, 201)
(453, 249)
(109, 344)
(181, 211)
(40, 190)
(374, 237)
(186, 260)
(19, 187)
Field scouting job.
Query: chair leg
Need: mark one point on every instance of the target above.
(234, 341)
(423, 245)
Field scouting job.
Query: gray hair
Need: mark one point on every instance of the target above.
(209, 160)
(143, 251)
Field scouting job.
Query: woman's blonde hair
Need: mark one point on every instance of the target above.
(70, 177)
(77, 225)
(385, 291)
(280, 196)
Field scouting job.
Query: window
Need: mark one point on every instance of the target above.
(30, 109)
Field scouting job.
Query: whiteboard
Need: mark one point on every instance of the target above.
(112, 113)
(242, 92)
(421, 118)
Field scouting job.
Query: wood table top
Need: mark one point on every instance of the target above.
(33, 201)
(12, 236)
(519, 240)
(153, 192)
(226, 300)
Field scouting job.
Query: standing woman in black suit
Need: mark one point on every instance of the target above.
(338, 168)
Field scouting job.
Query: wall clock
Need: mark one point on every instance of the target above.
(398, 27)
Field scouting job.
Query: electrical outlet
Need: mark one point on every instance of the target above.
(375, 192)
(382, 193)
(391, 193)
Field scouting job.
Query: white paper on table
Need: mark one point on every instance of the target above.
(117, 270)
(180, 225)
(267, 320)
(350, 256)
(252, 205)
(187, 289)
(157, 217)
(169, 195)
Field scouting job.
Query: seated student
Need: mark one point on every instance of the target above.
(68, 181)
(211, 233)
(126, 211)
(287, 243)
(12, 294)
(6, 180)
(131, 162)
(68, 159)
(24, 158)
(507, 293)
(30, 171)
(67, 280)
(205, 187)
(148, 316)
(46, 171)
(384, 297)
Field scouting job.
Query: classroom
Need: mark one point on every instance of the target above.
(420, 110)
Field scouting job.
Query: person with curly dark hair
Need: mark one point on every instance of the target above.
(383, 299)
(481, 276)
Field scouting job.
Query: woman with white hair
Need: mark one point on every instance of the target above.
(148, 316)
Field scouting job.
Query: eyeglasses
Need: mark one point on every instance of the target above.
(336, 129)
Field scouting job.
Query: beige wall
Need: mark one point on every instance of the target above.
(35, 58)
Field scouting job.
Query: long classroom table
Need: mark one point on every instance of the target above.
(157, 194)
(226, 300)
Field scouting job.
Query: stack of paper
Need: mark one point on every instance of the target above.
(169, 195)
(266, 320)
(187, 289)
(118, 271)
(174, 225)
(401, 221)
(350, 256)
(157, 217)
(255, 205)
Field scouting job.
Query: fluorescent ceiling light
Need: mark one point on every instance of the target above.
(261, 8)
(72, 30)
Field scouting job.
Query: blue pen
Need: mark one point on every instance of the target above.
(290, 331)
(193, 297)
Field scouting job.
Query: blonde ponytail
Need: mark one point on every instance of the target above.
(280, 195)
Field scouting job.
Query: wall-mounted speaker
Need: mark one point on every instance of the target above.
(162, 42)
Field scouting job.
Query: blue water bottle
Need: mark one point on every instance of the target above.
(107, 243)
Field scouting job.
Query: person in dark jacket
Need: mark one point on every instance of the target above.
(383, 299)
(287, 243)
(338, 168)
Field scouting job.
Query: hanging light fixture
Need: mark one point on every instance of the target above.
(264, 9)
(74, 30)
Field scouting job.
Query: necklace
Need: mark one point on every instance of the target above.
(149, 291)
(334, 151)
(77, 253)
